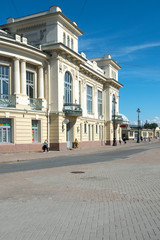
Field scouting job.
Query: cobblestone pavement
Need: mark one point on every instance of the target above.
(109, 201)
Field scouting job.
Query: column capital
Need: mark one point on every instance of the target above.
(16, 58)
(23, 60)
(40, 66)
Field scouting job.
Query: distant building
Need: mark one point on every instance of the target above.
(49, 90)
(131, 133)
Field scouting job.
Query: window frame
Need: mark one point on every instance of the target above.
(64, 38)
(89, 99)
(68, 87)
(36, 130)
(8, 127)
(99, 103)
(4, 78)
(29, 84)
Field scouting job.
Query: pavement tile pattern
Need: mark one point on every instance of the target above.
(117, 200)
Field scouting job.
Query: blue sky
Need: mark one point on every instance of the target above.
(128, 30)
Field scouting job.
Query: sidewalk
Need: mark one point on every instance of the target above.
(25, 156)
(112, 200)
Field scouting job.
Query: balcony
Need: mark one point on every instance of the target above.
(35, 103)
(117, 119)
(72, 109)
(7, 100)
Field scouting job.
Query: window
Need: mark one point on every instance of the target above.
(72, 45)
(4, 80)
(131, 134)
(96, 129)
(89, 99)
(30, 84)
(5, 130)
(99, 102)
(113, 104)
(68, 41)
(64, 38)
(144, 134)
(85, 127)
(68, 88)
(79, 92)
(35, 131)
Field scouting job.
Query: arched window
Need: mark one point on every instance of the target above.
(68, 41)
(72, 46)
(64, 38)
(113, 104)
(68, 88)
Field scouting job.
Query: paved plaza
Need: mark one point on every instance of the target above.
(112, 200)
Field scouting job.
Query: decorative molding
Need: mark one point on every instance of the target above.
(31, 27)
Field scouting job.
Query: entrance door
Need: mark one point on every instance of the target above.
(68, 135)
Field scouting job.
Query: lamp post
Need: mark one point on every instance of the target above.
(138, 111)
(114, 122)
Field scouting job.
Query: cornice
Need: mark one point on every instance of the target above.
(42, 19)
(23, 47)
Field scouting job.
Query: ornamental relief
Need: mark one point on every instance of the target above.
(95, 89)
(64, 68)
(83, 82)
(73, 72)
(60, 67)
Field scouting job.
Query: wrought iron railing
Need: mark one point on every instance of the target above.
(35, 103)
(72, 109)
(117, 118)
(7, 100)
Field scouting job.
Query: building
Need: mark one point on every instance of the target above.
(131, 133)
(50, 90)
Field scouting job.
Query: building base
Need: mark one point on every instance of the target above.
(11, 148)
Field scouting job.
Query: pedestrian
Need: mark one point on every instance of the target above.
(141, 138)
(45, 146)
(120, 140)
(76, 143)
(124, 140)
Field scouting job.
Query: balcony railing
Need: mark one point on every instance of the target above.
(7, 100)
(35, 103)
(72, 109)
(117, 118)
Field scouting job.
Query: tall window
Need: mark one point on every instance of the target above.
(5, 130)
(64, 38)
(72, 46)
(89, 99)
(35, 131)
(99, 103)
(4, 80)
(85, 127)
(68, 88)
(68, 41)
(30, 84)
(113, 104)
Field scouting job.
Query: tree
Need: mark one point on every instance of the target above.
(150, 125)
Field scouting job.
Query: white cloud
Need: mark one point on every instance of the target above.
(130, 49)
(154, 120)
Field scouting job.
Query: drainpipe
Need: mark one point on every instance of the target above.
(49, 84)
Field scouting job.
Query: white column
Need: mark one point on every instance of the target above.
(40, 82)
(16, 76)
(23, 77)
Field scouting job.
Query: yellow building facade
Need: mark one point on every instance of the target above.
(51, 91)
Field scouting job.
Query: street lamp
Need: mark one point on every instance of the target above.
(114, 121)
(138, 138)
